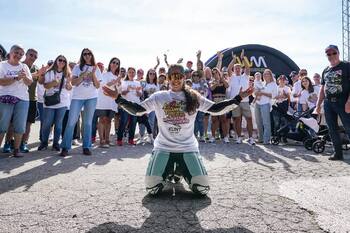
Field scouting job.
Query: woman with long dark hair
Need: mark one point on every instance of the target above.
(176, 144)
(86, 81)
(308, 96)
(57, 80)
(105, 108)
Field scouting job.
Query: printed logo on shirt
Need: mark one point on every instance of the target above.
(12, 73)
(312, 98)
(175, 113)
(333, 81)
(87, 78)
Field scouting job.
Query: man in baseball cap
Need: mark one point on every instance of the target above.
(334, 93)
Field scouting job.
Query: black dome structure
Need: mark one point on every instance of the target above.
(259, 57)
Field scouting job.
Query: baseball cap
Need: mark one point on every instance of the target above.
(331, 47)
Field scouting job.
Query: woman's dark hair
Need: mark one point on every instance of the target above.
(82, 62)
(66, 68)
(155, 80)
(311, 87)
(109, 66)
(127, 75)
(191, 96)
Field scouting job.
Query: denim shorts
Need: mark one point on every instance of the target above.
(15, 114)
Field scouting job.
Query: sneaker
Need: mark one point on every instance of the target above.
(55, 147)
(105, 145)
(50, 137)
(93, 140)
(239, 140)
(7, 148)
(119, 142)
(232, 134)
(64, 152)
(75, 142)
(251, 141)
(132, 142)
(86, 151)
(335, 157)
(24, 148)
(226, 140)
(211, 139)
(17, 153)
(43, 147)
(150, 138)
(202, 139)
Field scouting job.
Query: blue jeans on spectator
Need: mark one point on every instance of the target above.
(74, 112)
(41, 118)
(124, 117)
(331, 111)
(198, 124)
(263, 122)
(151, 120)
(94, 125)
(18, 113)
(52, 116)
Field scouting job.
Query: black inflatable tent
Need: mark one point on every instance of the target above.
(259, 57)
(2, 52)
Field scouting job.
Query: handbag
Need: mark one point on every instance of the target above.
(54, 99)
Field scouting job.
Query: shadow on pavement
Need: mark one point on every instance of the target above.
(170, 214)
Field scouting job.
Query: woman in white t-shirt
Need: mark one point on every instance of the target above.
(106, 107)
(57, 80)
(308, 96)
(132, 91)
(85, 81)
(15, 77)
(175, 143)
(263, 107)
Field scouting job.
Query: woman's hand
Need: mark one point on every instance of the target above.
(246, 93)
(109, 92)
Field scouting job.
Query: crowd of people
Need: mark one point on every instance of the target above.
(71, 102)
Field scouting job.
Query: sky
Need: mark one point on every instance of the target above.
(137, 31)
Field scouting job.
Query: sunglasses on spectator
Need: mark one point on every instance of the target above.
(33, 55)
(175, 76)
(115, 62)
(18, 53)
(87, 54)
(152, 73)
(331, 54)
(62, 60)
(303, 74)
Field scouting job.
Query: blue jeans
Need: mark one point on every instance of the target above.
(74, 112)
(41, 118)
(52, 116)
(124, 116)
(198, 124)
(151, 119)
(331, 111)
(18, 113)
(94, 125)
(263, 121)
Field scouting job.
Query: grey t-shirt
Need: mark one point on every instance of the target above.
(176, 126)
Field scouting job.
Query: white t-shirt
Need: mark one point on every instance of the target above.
(65, 94)
(271, 88)
(317, 89)
(150, 88)
(283, 90)
(131, 95)
(105, 102)
(175, 125)
(310, 99)
(86, 89)
(236, 83)
(296, 90)
(18, 89)
(40, 90)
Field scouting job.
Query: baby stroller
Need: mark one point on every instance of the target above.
(305, 131)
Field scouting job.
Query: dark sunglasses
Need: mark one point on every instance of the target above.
(303, 74)
(33, 55)
(62, 60)
(19, 53)
(176, 76)
(115, 62)
(87, 54)
(152, 73)
(331, 54)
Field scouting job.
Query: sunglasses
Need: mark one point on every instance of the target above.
(115, 62)
(33, 55)
(303, 74)
(19, 53)
(87, 54)
(152, 73)
(176, 76)
(331, 54)
(61, 60)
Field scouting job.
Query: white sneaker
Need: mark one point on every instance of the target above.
(211, 139)
(233, 134)
(226, 140)
(202, 139)
(75, 142)
(239, 140)
(251, 141)
(150, 138)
